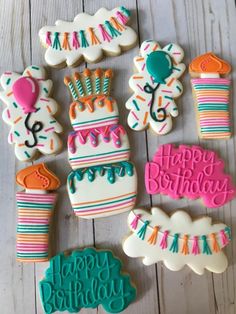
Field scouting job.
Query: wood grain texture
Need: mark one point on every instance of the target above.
(198, 26)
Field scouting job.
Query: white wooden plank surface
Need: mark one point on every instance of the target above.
(198, 26)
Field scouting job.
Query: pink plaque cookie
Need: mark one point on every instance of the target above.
(191, 172)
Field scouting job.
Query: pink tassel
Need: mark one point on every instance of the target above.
(105, 35)
(224, 238)
(48, 39)
(163, 243)
(121, 17)
(134, 223)
(195, 248)
(75, 42)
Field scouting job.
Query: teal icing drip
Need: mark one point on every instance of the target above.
(125, 11)
(112, 170)
(85, 279)
(83, 39)
(206, 248)
(113, 32)
(175, 245)
(142, 231)
(56, 42)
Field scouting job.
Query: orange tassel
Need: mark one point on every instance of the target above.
(185, 250)
(116, 24)
(215, 245)
(65, 43)
(153, 237)
(93, 37)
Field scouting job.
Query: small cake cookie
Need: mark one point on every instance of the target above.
(86, 279)
(189, 171)
(88, 37)
(92, 107)
(103, 190)
(211, 95)
(155, 87)
(101, 145)
(177, 240)
(30, 113)
(35, 208)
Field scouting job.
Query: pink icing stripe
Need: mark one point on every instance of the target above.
(100, 158)
(211, 81)
(33, 221)
(94, 125)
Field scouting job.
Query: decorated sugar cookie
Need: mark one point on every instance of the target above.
(155, 87)
(103, 190)
(177, 240)
(103, 181)
(30, 113)
(88, 37)
(35, 209)
(86, 279)
(191, 172)
(97, 137)
(211, 90)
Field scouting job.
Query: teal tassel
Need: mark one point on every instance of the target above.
(125, 11)
(56, 42)
(83, 39)
(228, 232)
(142, 231)
(113, 32)
(206, 248)
(175, 245)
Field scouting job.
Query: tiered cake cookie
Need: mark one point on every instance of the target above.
(103, 182)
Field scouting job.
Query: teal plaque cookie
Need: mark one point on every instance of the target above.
(85, 279)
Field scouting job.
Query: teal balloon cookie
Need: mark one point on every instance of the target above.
(85, 279)
(159, 66)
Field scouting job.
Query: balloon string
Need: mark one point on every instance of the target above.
(150, 90)
(36, 127)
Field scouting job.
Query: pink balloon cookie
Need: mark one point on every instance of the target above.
(30, 112)
(189, 171)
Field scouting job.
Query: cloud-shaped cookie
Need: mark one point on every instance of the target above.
(87, 37)
(177, 240)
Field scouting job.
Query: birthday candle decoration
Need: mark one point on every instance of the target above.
(155, 87)
(104, 31)
(99, 151)
(98, 74)
(30, 113)
(106, 83)
(211, 94)
(177, 240)
(79, 84)
(35, 209)
(87, 74)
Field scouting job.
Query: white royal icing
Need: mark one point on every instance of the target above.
(14, 115)
(181, 223)
(122, 38)
(101, 198)
(139, 117)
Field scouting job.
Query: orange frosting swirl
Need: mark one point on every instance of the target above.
(209, 63)
(37, 177)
